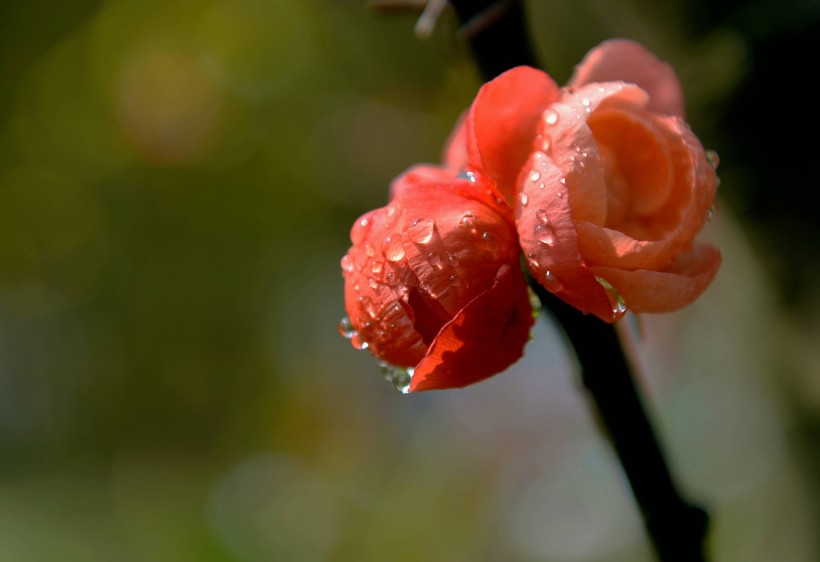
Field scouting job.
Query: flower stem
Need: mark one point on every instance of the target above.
(677, 529)
(496, 33)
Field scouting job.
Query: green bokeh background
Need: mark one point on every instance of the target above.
(177, 180)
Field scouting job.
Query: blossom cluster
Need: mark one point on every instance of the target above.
(600, 185)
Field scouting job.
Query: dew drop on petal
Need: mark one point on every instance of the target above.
(552, 283)
(452, 259)
(489, 238)
(377, 266)
(615, 299)
(392, 248)
(550, 117)
(368, 306)
(346, 328)
(465, 175)
(468, 222)
(535, 175)
(713, 158)
(357, 341)
(369, 250)
(563, 181)
(347, 263)
(359, 231)
(541, 214)
(435, 260)
(421, 230)
(374, 284)
(522, 197)
(544, 233)
(586, 103)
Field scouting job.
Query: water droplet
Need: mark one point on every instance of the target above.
(535, 175)
(552, 283)
(452, 259)
(374, 284)
(347, 263)
(713, 158)
(489, 238)
(541, 214)
(560, 195)
(454, 280)
(392, 248)
(543, 233)
(522, 197)
(369, 250)
(435, 260)
(468, 222)
(563, 181)
(399, 377)
(357, 341)
(421, 230)
(377, 266)
(359, 231)
(538, 155)
(368, 306)
(465, 175)
(551, 117)
(546, 143)
(585, 102)
(391, 210)
(615, 299)
(542, 185)
(346, 328)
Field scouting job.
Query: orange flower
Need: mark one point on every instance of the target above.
(609, 184)
(433, 284)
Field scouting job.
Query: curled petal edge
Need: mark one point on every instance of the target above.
(483, 339)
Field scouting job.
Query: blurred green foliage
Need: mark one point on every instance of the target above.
(177, 179)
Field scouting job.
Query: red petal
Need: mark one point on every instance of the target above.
(483, 339)
(676, 286)
(502, 122)
(628, 61)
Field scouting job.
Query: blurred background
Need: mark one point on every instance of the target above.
(177, 182)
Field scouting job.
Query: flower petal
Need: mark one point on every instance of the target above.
(546, 231)
(502, 123)
(674, 287)
(629, 61)
(675, 224)
(483, 339)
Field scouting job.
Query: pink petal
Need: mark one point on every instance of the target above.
(678, 285)
(546, 231)
(483, 339)
(629, 61)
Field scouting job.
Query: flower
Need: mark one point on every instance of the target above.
(433, 283)
(609, 184)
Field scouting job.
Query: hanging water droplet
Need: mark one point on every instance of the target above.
(399, 377)
(615, 299)
(346, 328)
(468, 222)
(421, 230)
(535, 175)
(359, 231)
(713, 158)
(347, 263)
(452, 259)
(551, 117)
(543, 233)
(541, 214)
(522, 197)
(465, 175)
(435, 260)
(392, 248)
(552, 283)
(357, 341)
